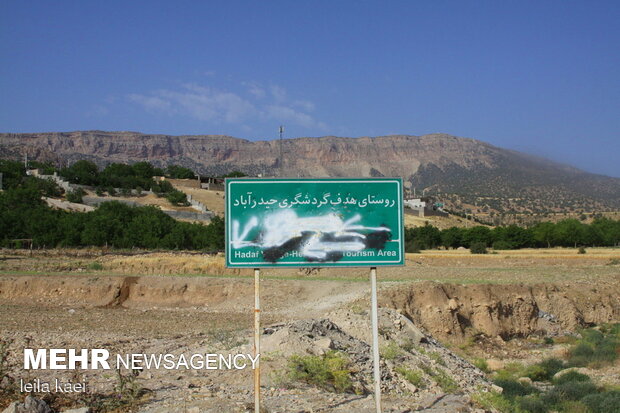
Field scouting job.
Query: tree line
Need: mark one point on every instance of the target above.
(602, 232)
(23, 215)
(120, 175)
(125, 176)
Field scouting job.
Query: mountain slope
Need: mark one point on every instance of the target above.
(465, 171)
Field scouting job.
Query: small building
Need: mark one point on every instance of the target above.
(415, 203)
(425, 206)
(212, 183)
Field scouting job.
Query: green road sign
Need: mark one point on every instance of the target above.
(314, 222)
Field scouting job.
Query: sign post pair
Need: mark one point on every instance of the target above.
(331, 222)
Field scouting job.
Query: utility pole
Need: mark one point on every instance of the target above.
(281, 153)
(474, 211)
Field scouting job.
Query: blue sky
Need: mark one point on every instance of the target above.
(542, 77)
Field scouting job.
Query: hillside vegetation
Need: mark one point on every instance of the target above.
(465, 172)
(24, 216)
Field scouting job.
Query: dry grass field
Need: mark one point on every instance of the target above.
(453, 266)
(214, 200)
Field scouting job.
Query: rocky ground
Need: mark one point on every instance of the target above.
(430, 333)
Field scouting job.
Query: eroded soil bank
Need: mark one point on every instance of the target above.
(449, 312)
(455, 312)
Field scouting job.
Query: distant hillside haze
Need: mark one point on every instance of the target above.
(463, 170)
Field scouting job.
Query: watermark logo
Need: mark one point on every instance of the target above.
(98, 358)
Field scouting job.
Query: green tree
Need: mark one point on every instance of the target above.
(477, 234)
(82, 172)
(107, 225)
(512, 237)
(179, 172)
(180, 237)
(478, 248)
(544, 233)
(143, 169)
(427, 237)
(606, 230)
(161, 188)
(210, 237)
(570, 233)
(177, 198)
(76, 195)
(452, 237)
(46, 187)
(46, 167)
(71, 226)
(20, 208)
(148, 226)
(12, 173)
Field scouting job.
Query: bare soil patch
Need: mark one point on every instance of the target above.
(496, 307)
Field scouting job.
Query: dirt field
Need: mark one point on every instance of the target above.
(159, 302)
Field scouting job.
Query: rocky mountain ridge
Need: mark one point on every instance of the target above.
(440, 163)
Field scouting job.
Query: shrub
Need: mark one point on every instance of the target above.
(532, 404)
(436, 357)
(603, 402)
(510, 371)
(536, 373)
(481, 364)
(96, 266)
(571, 406)
(581, 250)
(413, 377)
(580, 355)
(545, 370)
(161, 188)
(329, 371)
(595, 349)
(177, 198)
(493, 401)
(571, 376)
(76, 195)
(613, 329)
(446, 382)
(572, 390)
(513, 388)
(391, 351)
(478, 248)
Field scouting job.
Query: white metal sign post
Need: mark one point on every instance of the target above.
(257, 340)
(375, 338)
